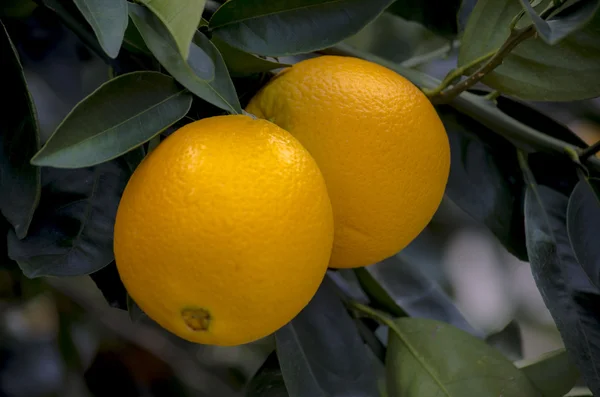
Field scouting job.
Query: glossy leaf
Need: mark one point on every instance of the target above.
(534, 70)
(181, 19)
(572, 300)
(72, 231)
(566, 21)
(485, 180)
(402, 289)
(583, 224)
(108, 19)
(134, 41)
(579, 392)
(287, 27)
(204, 73)
(268, 380)
(433, 14)
(321, 352)
(120, 115)
(431, 358)
(241, 63)
(19, 140)
(553, 373)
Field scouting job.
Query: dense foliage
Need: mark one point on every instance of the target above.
(531, 181)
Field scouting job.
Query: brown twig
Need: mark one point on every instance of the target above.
(516, 37)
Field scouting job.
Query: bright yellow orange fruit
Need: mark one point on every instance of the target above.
(224, 231)
(379, 143)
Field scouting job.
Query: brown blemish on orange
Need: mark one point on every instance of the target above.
(197, 319)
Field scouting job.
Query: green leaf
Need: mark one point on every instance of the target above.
(583, 225)
(579, 392)
(572, 300)
(119, 116)
(432, 14)
(402, 289)
(181, 19)
(133, 40)
(287, 27)
(19, 140)
(534, 70)
(108, 19)
(321, 352)
(268, 380)
(431, 358)
(109, 283)
(553, 373)
(204, 73)
(72, 230)
(240, 63)
(567, 20)
(485, 180)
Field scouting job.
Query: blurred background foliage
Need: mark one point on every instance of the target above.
(58, 337)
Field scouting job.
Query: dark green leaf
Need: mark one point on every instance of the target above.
(553, 373)
(485, 180)
(181, 19)
(119, 116)
(321, 353)
(563, 23)
(509, 341)
(204, 73)
(241, 63)
(433, 14)
(109, 21)
(287, 27)
(19, 140)
(523, 112)
(401, 288)
(109, 283)
(135, 312)
(134, 41)
(572, 300)
(431, 358)
(268, 380)
(72, 230)
(464, 12)
(583, 224)
(534, 70)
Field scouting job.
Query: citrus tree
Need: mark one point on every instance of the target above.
(176, 66)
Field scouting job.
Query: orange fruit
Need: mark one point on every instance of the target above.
(224, 231)
(379, 143)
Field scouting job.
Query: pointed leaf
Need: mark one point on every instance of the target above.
(241, 63)
(119, 116)
(534, 70)
(485, 180)
(109, 283)
(431, 358)
(400, 287)
(287, 27)
(572, 300)
(579, 392)
(204, 73)
(321, 352)
(181, 19)
(19, 140)
(268, 380)
(72, 231)
(109, 21)
(583, 224)
(566, 21)
(553, 373)
(432, 14)
(133, 40)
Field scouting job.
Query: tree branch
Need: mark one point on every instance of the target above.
(514, 39)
